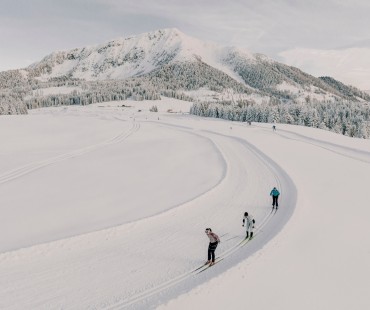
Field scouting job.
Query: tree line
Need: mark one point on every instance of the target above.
(345, 117)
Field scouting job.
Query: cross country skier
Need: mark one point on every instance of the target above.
(275, 195)
(213, 242)
(248, 223)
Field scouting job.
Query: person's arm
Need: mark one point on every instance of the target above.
(216, 237)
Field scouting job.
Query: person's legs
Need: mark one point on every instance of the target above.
(274, 201)
(212, 248)
(213, 256)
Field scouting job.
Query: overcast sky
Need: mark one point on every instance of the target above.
(322, 37)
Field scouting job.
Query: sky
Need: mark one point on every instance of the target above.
(321, 37)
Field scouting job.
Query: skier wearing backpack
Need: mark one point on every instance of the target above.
(213, 242)
(275, 195)
(248, 223)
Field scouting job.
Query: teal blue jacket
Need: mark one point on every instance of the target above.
(274, 192)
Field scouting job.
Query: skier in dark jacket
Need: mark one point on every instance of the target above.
(275, 195)
(213, 242)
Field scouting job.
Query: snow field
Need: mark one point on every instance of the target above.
(161, 180)
(320, 259)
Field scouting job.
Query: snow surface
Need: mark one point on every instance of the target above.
(104, 207)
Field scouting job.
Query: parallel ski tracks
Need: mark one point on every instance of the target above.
(141, 296)
(353, 153)
(26, 169)
(159, 288)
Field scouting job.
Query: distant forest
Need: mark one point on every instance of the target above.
(346, 112)
(344, 117)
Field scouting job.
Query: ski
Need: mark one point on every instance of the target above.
(244, 241)
(209, 265)
(203, 266)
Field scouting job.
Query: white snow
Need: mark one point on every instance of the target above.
(228, 94)
(104, 207)
(137, 55)
(289, 87)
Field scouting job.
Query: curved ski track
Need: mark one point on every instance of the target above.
(21, 171)
(348, 152)
(282, 181)
(153, 289)
(159, 288)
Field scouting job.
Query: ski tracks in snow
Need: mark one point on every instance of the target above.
(352, 153)
(26, 169)
(148, 299)
(132, 267)
(172, 282)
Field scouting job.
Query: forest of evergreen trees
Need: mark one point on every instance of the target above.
(169, 81)
(11, 104)
(348, 115)
(344, 117)
(103, 91)
(265, 75)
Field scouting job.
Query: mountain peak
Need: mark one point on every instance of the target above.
(169, 53)
(126, 57)
(164, 33)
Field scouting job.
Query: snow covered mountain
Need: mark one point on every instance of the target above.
(170, 54)
(164, 63)
(128, 57)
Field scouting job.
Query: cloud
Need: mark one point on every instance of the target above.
(262, 25)
(350, 66)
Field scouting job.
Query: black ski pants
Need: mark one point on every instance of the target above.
(211, 250)
(275, 201)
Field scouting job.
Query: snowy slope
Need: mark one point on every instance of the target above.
(104, 207)
(321, 259)
(165, 62)
(127, 57)
(175, 58)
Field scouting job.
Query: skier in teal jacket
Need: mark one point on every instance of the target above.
(275, 195)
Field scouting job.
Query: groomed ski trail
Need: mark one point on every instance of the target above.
(26, 169)
(281, 180)
(116, 268)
